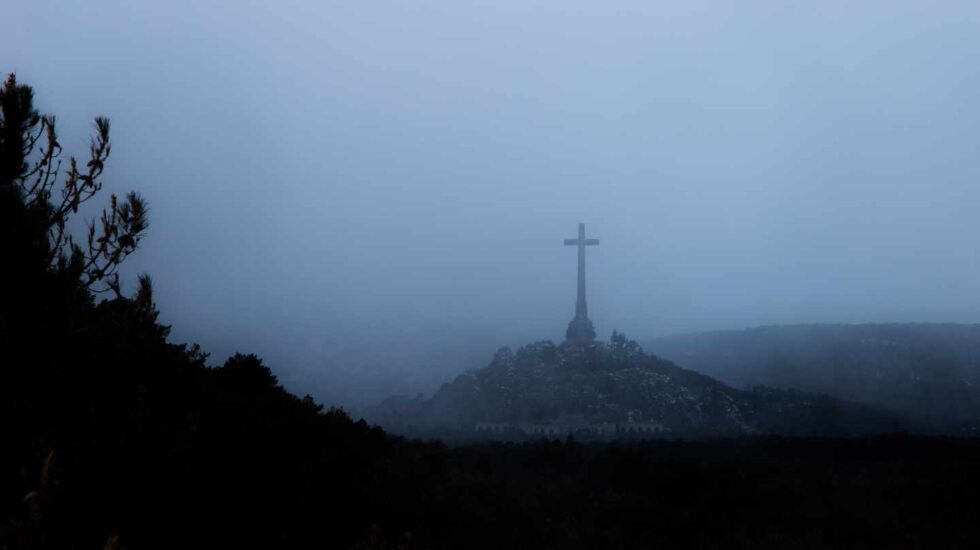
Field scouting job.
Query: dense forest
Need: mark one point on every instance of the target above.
(114, 437)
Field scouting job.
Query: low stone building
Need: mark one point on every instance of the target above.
(604, 430)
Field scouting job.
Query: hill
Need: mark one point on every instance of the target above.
(928, 371)
(115, 437)
(616, 390)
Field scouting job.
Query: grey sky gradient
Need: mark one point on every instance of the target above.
(337, 184)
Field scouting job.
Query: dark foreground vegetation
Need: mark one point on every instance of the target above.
(114, 438)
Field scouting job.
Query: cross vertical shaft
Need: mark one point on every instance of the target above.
(580, 330)
(581, 308)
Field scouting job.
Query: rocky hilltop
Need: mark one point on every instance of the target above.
(614, 389)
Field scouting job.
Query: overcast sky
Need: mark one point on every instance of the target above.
(335, 184)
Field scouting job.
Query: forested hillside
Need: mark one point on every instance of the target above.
(614, 388)
(929, 371)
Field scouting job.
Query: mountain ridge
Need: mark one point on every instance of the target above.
(929, 371)
(609, 390)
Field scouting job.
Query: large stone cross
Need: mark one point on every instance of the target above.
(580, 329)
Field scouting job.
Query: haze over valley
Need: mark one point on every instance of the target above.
(511, 274)
(373, 198)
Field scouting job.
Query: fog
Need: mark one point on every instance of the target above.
(373, 195)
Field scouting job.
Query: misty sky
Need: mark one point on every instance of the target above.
(371, 188)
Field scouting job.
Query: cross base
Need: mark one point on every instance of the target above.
(580, 331)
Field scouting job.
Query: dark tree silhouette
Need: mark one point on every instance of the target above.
(31, 159)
